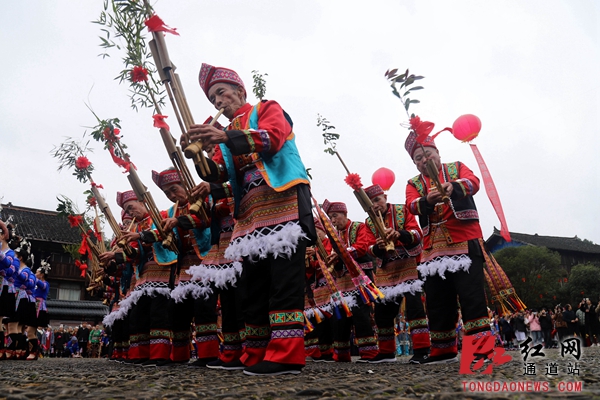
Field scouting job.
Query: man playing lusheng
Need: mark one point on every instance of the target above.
(274, 224)
(452, 260)
(397, 277)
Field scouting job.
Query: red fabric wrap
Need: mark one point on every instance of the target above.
(286, 351)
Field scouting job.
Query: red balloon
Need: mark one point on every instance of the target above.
(466, 127)
(383, 177)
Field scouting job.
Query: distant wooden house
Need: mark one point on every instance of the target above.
(572, 251)
(48, 232)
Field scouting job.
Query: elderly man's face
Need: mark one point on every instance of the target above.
(176, 192)
(380, 203)
(227, 96)
(338, 219)
(420, 158)
(136, 209)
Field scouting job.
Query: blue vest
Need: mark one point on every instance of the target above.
(281, 170)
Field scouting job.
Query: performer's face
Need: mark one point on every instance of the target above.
(339, 220)
(136, 209)
(176, 192)
(420, 159)
(227, 96)
(380, 203)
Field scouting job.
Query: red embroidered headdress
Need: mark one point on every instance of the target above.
(374, 191)
(210, 75)
(166, 177)
(330, 207)
(124, 197)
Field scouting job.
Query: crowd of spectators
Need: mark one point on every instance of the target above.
(80, 341)
(548, 326)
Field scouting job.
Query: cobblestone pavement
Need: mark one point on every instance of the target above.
(52, 378)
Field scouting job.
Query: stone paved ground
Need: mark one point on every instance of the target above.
(100, 379)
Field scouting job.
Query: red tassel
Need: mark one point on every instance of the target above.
(155, 24)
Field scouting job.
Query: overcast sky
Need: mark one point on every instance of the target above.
(528, 69)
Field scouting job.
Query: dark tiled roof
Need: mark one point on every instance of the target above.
(83, 309)
(554, 242)
(40, 224)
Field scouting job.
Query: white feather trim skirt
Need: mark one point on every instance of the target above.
(392, 293)
(223, 276)
(277, 241)
(441, 265)
(127, 303)
(195, 289)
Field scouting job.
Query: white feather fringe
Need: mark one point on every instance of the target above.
(131, 300)
(391, 293)
(258, 245)
(441, 265)
(197, 291)
(221, 277)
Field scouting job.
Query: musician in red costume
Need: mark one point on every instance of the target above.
(257, 154)
(397, 277)
(150, 328)
(189, 299)
(452, 260)
(357, 239)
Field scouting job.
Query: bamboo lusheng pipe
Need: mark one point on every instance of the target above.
(433, 173)
(196, 205)
(184, 120)
(367, 206)
(112, 222)
(123, 244)
(196, 147)
(323, 253)
(177, 98)
(144, 196)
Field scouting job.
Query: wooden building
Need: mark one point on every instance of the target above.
(573, 251)
(49, 233)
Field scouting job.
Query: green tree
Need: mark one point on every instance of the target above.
(535, 273)
(584, 282)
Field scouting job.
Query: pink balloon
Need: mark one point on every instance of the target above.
(383, 177)
(466, 127)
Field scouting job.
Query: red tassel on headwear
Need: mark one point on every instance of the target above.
(421, 128)
(353, 180)
(155, 24)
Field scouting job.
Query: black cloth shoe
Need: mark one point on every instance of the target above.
(140, 361)
(233, 365)
(217, 364)
(382, 358)
(202, 362)
(165, 363)
(441, 359)
(266, 368)
(417, 358)
(363, 360)
(324, 359)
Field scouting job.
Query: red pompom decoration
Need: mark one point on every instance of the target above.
(75, 220)
(383, 177)
(353, 180)
(139, 74)
(82, 163)
(466, 127)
